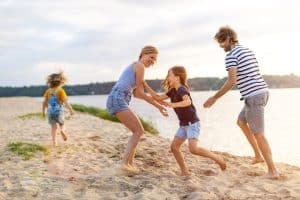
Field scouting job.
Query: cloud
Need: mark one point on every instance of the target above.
(85, 36)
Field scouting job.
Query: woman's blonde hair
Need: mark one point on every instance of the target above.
(225, 33)
(148, 50)
(56, 79)
(177, 71)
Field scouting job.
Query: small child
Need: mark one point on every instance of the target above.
(177, 90)
(55, 97)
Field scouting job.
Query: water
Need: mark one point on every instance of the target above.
(218, 124)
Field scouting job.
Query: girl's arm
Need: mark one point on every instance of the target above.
(139, 90)
(66, 103)
(184, 103)
(156, 96)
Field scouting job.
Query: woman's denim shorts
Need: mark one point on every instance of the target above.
(118, 100)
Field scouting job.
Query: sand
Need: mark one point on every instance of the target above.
(87, 165)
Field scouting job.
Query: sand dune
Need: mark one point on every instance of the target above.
(86, 166)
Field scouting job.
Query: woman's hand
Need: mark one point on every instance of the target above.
(169, 104)
(163, 111)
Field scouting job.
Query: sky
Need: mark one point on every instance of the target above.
(94, 40)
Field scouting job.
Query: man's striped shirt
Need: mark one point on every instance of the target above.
(249, 80)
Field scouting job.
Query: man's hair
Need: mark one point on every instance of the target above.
(226, 32)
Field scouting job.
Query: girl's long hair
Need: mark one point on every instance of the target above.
(177, 71)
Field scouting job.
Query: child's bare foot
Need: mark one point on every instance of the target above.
(221, 163)
(257, 160)
(64, 136)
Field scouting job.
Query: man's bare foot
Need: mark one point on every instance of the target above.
(257, 160)
(274, 176)
(64, 136)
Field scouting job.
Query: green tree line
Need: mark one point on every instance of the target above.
(196, 84)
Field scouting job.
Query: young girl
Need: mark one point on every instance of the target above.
(131, 82)
(55, 97)
(177, 90)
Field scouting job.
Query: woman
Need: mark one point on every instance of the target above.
(131, 82)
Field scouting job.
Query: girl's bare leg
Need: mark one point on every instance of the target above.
(194, 149)
(175, 148)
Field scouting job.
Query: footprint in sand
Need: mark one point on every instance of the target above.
(94, 138)
(209, 172)
(254, 174)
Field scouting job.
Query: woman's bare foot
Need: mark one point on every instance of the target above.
(185, 173)
(257, 160)
(64, 136)
(130, 169)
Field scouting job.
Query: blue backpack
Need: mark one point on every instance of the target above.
(54, 106)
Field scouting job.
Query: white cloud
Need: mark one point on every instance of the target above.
(94, 40)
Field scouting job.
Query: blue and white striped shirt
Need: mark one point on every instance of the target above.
(249, 80)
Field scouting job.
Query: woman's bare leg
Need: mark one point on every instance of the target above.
(131, 121)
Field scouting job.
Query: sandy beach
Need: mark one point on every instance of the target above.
(86, 166)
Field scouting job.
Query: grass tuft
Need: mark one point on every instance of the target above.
(103, 114)
(31, 115)
(27, 150)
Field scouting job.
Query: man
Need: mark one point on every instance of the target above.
(243, 71)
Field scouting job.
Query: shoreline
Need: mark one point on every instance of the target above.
(86, 166)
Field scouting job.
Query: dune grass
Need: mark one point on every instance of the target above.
(103, 114)
(27, 150)
(31, 115)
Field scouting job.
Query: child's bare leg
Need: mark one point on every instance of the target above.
(245, 128)
(175, 148)
(63, 132)
(53, 134)
(194, 149)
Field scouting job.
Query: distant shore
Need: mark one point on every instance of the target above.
(86, 166)
(196, 84)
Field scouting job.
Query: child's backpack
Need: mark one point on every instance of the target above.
(54, 106)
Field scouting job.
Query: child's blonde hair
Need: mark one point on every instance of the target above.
(148, 50)
(56, 79)
(177, 71)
